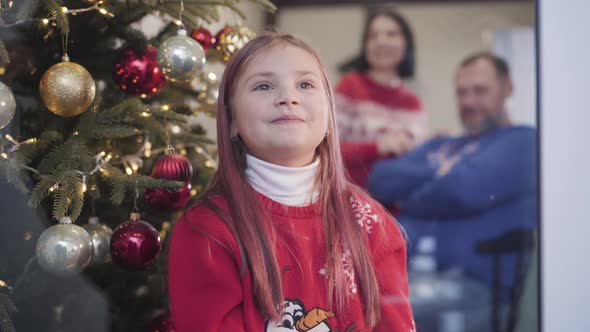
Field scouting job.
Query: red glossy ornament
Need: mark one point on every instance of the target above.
(137, 73)
(173, 166)
(162, 323)
(176, 167)
(168, 200)
(204, 37)
(135, 244)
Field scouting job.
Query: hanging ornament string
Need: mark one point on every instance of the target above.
(181, 24)
(135, 208)
(168, 136)
(64, 41)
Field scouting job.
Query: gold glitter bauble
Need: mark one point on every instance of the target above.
(67, 89)
(231, 40)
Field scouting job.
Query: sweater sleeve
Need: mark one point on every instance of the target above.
(389, 259)
(501, 171)
(394, 180)
(204, 279)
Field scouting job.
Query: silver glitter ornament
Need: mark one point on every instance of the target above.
(101, 240)
(64, 248)
(7, 105)
(181, 58)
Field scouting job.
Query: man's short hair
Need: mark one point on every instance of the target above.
(501, 66)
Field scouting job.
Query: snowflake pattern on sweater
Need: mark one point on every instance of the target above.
(364, 214)
(365, 218)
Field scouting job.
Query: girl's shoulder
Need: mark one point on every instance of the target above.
(206, 220)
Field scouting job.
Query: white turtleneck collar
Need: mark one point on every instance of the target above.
(292, 186)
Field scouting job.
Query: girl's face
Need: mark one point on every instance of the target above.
(280, 106)
(385, 47)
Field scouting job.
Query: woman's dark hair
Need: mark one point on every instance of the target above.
(406, 66)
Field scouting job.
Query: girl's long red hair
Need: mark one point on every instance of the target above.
(253, 237)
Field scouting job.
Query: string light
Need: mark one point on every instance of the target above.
(148, 148)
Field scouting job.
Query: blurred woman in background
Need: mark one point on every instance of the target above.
(378, 116)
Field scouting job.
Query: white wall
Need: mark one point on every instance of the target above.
(444, 33)
(517, 46)
(565, 77)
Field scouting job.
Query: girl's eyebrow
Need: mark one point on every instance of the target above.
(268, 75)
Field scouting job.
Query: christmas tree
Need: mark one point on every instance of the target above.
(98, 130)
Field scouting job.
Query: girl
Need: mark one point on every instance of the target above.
(281, 241)
(378, 116)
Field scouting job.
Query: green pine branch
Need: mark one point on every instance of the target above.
(193, 138)
(121, 184)
(61, 18)
(42, 189)
(4, 58)
(121, 131)
(71, 155)
(168, 116)
(65, 196)
(115, 178)
(27, 152)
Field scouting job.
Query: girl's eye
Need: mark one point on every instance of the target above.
(306, 85)
(262, 87)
